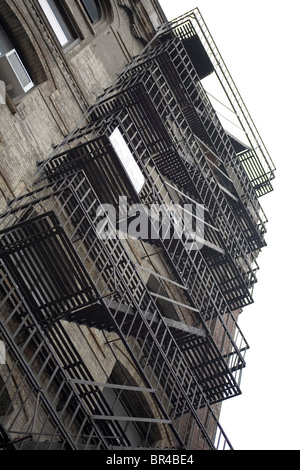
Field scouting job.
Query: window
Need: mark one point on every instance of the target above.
(59, 21)
(127, 402)
(127, 159)
(12, 70)
(21, 65)
(5, 43)
(93, 9)
(2, 353)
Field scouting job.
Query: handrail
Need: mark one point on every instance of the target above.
(234, 97)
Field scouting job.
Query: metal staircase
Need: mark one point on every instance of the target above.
(62, 281)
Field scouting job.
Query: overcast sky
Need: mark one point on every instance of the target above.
(259, 42)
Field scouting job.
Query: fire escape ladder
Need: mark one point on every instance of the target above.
(152, 138)
(50, 368)
(170, 109)
(178, 256)
(152, 336)
(192, 25)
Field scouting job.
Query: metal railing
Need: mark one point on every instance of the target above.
(179, 156)
(148, 340)
(183, 27)
(164, 113)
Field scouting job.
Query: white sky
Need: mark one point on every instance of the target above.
(259, 42)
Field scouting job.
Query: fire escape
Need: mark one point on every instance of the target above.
(57, 271)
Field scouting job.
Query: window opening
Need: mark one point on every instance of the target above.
(6, 44)
(58, 20)
(93, 10)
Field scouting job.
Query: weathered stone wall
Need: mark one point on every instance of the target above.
(66, 82)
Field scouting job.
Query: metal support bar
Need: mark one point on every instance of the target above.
(110, 385)
(160, 276)
(175, 302)
(131, 418)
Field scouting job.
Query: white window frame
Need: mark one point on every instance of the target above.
(55, 24)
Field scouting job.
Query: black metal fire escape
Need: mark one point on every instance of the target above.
(56, 270)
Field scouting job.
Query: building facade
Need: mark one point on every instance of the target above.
(130, 228)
